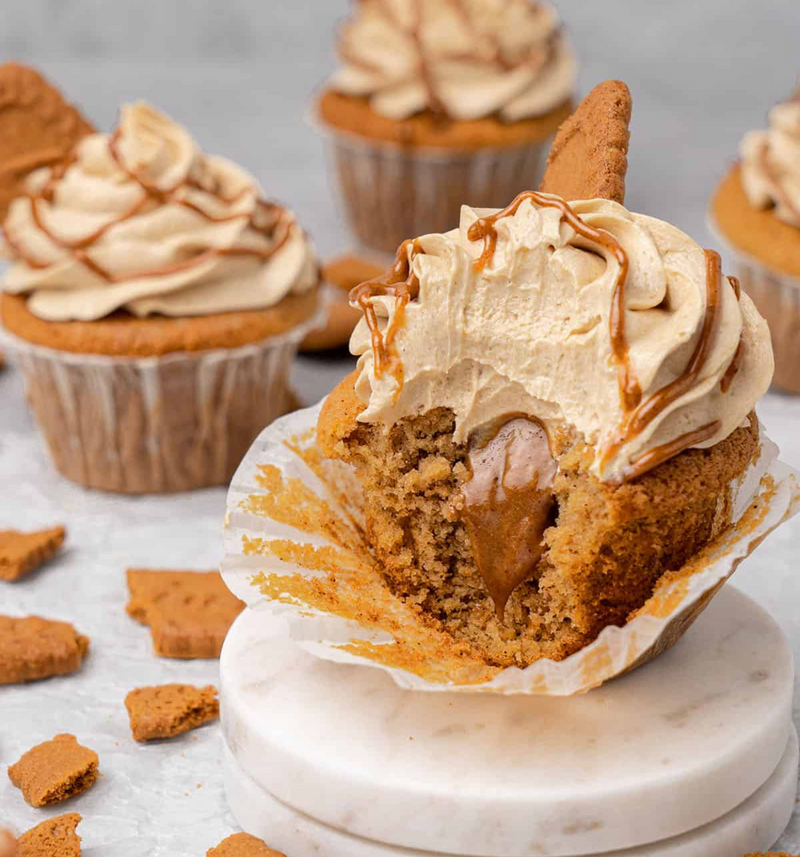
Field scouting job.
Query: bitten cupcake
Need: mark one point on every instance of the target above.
(155, 301)
(553, 406)
(439, 103)
(756, 210)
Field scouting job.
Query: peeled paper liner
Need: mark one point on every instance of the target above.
(294, 547)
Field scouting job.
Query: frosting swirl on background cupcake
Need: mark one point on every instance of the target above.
(587, 316)
(467, 59)
(142, 220)
(771, 163)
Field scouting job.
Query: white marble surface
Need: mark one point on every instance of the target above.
(239, 74)
(749, 828)
(698, 731)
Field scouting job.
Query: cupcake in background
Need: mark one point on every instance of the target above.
(440, 103)
(756, 211)
(154, 302)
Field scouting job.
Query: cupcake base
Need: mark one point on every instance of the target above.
(155, 424)
(334, 759)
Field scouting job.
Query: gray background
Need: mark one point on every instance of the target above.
(240, 75)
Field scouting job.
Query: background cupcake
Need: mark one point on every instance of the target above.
(155, 302)
(757, 211)
(440, 103)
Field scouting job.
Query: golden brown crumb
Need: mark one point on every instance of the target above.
(34, 648)
(243, 845)
(55, 771)
(22, 553)
(56, 837)
(189, 612)
(170, 709)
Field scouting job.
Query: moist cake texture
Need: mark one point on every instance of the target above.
(605, 550)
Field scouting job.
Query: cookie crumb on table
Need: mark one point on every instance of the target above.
(34, 648)
(170, 709)
(22, 553)
(189, 612)
(243, 845)
(55, 771)
(56, 837)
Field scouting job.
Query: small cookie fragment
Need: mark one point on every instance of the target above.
(189, 612)
(38, 128)
(170, 709)
(55, 837)
(55, 771)
(8, 844)
(22, 553)
(243, 845)
(340, 275)
(34, 648)
(589, 156)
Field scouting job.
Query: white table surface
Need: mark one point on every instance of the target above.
(701, 75)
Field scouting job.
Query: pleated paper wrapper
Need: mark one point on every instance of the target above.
(294, 547)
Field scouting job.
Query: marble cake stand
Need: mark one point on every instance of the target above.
(694, 754)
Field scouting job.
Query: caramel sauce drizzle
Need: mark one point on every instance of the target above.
(485, 229)
(401, 282)
(733, 366)
(638, 412)
(78, 248)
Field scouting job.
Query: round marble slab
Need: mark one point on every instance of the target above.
(751, 827)
(665, 750)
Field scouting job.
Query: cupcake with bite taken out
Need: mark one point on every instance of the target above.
(756, 211)
(155, 301)
(438, 103)
(553, 406)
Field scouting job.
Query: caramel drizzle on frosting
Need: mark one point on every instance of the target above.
(485, 229)
(151, 193)
(534, 56)
(401, 282)
(733, 366)
(639, 413)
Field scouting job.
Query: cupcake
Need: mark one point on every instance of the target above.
(155, 302)
(553, 406)
(756, 211)
(439, 103)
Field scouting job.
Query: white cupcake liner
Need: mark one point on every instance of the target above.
(156, 424)
(293, 547)
(390, 192)
(777, 297)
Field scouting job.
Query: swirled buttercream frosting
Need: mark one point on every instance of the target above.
(143, 220)
(771, 163)
(585, 316)
(466, 59)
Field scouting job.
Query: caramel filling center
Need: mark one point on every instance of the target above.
(508, 503)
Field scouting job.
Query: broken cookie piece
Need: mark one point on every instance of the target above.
(38, 128)
(589, 156)
(243, 845)
(189, 612)
(22, 553)
(55, 771)
(34, 648)
(8, 843)
(170, 710)
(55, 837)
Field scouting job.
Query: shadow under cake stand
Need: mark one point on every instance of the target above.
(694, 755)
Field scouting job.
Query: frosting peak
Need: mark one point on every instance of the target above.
(771, 163)
(143, 220)
(464, 58)
(585, 316)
